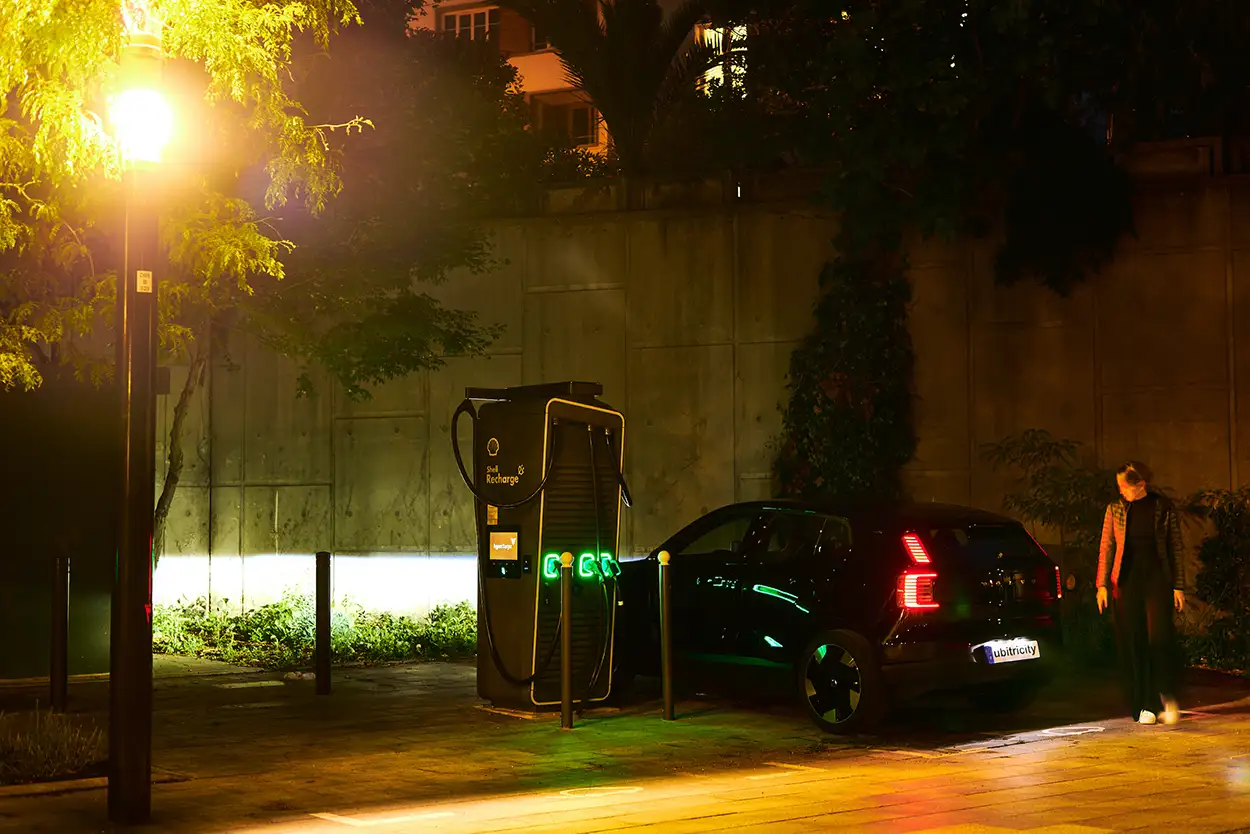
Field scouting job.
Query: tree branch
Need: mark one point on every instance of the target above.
(173, 472)
(83, 246)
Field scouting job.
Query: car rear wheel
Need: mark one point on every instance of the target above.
(839, 683)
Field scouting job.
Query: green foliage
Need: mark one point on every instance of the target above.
(1223, 581)
(226, 72)
(985, 116)
(1054, 487)
(42, 745)
(566, 165)
(266, 112)
(448, 145)
(749, 135)
(847, 430)
(227, 61)
(966, 120)
(282, 634)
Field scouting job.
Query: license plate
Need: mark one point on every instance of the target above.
(1009, 651)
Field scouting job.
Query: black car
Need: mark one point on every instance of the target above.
(866, 605)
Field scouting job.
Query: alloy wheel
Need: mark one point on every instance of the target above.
(833, 683)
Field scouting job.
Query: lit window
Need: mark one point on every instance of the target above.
(477, 25)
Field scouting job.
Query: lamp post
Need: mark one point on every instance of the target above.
(143, 123)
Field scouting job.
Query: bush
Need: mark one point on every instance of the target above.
(42, 745)
(282, 634)
(1223, 581)
(1056, 489)
(847, 429)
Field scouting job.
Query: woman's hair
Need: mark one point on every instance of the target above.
(1135, 472)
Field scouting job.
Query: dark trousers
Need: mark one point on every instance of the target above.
(1146, 637)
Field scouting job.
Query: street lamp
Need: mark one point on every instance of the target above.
(143, 122)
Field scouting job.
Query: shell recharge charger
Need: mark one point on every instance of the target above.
(546, 480)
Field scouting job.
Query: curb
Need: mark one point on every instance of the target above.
(64, 786)
(102, 677)
(42, 683)
(1228, 705)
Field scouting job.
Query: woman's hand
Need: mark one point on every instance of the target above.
(1102, 599)
(1178, 599)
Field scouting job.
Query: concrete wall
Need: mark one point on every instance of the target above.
(60, 453)
(687, 312)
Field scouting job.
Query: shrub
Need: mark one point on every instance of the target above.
(847, 430)
(1223, 581)
(282, 634)
(42, 745)
(1055, 488)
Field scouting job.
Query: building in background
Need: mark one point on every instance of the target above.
(558, 107)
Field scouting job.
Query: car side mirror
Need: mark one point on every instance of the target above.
(736, 547)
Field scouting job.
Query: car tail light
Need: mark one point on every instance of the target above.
(915, 549)
(915, 587)
(915, 591)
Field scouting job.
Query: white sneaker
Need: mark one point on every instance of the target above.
(1146, 717)
(1171, 714)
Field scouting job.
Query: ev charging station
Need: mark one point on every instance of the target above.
(547, 480)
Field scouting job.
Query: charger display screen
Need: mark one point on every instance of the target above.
(504, 546)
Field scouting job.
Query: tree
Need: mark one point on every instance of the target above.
(979, 116)
(630, 58)
(847, 428)
(967, 119)
(246, 76)
(449, 145)
(59, 169)
(59, 165)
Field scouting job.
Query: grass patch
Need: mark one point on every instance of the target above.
(282, 635)
(43, 745)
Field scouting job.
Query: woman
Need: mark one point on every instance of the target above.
(1143, 562)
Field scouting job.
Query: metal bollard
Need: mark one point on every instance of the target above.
(566, 641)
(666, 636)
(58, 662)
(323, 623)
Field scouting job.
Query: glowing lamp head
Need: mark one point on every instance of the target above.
(144, 124)
(141, 115)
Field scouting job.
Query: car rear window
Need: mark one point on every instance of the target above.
(980, 544)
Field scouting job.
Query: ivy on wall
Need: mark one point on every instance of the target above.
(847, 430)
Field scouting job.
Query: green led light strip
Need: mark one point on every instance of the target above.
(586, 567)
(768, 590)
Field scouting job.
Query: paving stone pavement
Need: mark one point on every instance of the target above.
(409, 748)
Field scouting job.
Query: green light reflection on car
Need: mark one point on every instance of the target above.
(770, 591)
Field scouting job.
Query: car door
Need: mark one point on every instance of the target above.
(706, 583)
(791, 567)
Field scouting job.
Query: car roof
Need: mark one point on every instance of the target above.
(900, 512)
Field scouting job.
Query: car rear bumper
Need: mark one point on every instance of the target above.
(920, 668)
